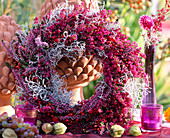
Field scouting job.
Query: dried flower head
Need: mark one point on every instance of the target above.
(146, 22)
(153, 25)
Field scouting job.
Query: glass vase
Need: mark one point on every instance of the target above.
(149, 70)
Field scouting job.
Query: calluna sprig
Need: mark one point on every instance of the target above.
(153, 25)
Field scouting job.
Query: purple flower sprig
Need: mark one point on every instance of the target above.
(153, 25)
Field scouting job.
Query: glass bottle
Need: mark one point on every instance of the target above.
(149, 70)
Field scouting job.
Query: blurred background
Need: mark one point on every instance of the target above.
(126, 12)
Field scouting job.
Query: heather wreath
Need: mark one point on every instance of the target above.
(66, 32)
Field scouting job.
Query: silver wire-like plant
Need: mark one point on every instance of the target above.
(57, 89)
(137, 89)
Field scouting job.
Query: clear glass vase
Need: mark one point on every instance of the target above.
(149, 69)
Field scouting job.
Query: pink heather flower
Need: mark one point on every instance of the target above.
(74, 36)
(146, 22)
(39, 42)
(36, 20)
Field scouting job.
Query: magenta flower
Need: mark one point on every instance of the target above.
(74, 36)
(39, 42)
(146, 22)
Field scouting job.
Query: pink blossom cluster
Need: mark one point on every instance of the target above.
(146, 22)
(153, 24)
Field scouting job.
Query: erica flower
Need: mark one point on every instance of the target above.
(38, 41)
(146, 22)
(36, 20)
(74, 36)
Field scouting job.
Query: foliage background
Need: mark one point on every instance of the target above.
(24, 11)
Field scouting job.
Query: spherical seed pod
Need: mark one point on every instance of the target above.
(148, 3)
(127, 29)
(47, 128)
(135, 131)
(127, 34)
(59, 128)
(9, 133)
(142, 1)
(143, 7)
(115, 11)
(137, 11)
(39, 123)
(116, 131)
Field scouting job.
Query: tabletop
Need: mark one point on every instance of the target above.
(163, 133)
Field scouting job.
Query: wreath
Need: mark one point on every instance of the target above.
(66, 32)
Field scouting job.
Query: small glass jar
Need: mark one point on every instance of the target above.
(28, 112)
(151, 116)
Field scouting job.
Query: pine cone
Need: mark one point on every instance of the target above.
(8, 27)
(86, 68)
